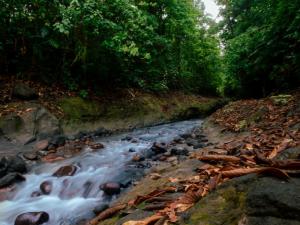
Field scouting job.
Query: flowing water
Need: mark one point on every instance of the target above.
(73, 197)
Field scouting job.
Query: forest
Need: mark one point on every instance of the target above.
(153, 45)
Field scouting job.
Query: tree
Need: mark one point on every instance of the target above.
(261, 45)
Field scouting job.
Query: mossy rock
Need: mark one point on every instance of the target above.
(10, 124)
(78, 109)
(281, 99)
(225, 207)
(198, 109)
(251, 200)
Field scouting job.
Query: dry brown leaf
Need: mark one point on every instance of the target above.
(263, 170)
(173, 180)
(279, 148)
(287, 164)
(106, 214)
(214, 181)
(225, 158)
(153, 194)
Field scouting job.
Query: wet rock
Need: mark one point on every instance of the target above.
(111, 188)
(69, 170)
(42, 145)
(32, 218)
(194, 143)
(30, 155)
(87, 189)
(179, 151)
(46, 187)
(141, 165)
(10, 169)
(35, 194)
(10, 179)
(134, 140)
(96, 146)
(185, 136)
(101, 132)
(100, 208)
(159, 148)
(138, 158)
(127, 138)
(23, 91)
(132, 150)
(178, 140)
(16, 164)
(58, 140)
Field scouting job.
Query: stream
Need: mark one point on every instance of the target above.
(74, 197)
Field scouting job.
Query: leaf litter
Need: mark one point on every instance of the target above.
(254, 153)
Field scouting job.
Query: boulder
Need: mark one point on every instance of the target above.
(11, 123)
(69, 170)
(32, 218)
(249, 200)
(10, 179)
(35, 122)
(24, 92)
(16, 164)
(12, 164)
(111, 188)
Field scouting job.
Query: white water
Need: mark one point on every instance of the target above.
(74, 197)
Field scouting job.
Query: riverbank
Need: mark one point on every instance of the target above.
(218, 184)
(49, 124)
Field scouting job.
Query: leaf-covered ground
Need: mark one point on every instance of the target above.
(248, 137)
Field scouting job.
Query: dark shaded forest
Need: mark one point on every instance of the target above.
(153, 45)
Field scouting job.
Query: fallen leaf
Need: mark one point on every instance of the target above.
(225, 158)
(279, 148)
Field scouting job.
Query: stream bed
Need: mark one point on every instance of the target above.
(73, 198)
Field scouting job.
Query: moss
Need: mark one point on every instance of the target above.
(187, 110)
(281, 99)
(10, 124)
(225, 206)
(242, 125)
(125, 113)
(77, 109)
(111, 221)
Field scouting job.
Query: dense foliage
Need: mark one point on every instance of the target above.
(153, 44)
(262, 45)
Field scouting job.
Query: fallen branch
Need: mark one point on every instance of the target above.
(263, 170)
(106, 214)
